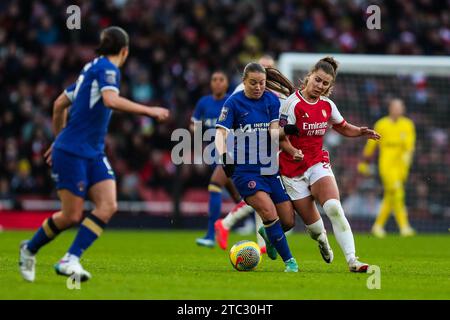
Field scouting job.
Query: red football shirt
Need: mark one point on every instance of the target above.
(313, 120)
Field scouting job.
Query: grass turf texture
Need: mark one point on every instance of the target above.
(169, 265)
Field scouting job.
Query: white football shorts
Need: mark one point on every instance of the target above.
(299, 187)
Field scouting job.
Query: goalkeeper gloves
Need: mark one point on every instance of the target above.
(364, 168)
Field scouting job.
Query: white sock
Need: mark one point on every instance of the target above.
(341, 227)
(70, 257)
(239, 212)
(258, 224)
(316, 229)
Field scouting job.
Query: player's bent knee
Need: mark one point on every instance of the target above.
(108, 208)
(113, 207)
(266, 214)
(288, 226)
(287, 223)
(333, 208)
(72, 218)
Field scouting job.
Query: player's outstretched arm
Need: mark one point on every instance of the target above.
(350, 130)
(112, 100)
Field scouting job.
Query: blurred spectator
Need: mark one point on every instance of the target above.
(23, 182)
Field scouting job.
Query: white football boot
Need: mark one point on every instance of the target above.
(357, 266)
(205, 242)
(70, 265)
(27, 262)
(325, 248)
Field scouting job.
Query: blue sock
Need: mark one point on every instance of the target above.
(46, 233)
(215, 205)
(276, 236)
(89, 231)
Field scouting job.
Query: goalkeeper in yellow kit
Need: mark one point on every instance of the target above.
(396, 145)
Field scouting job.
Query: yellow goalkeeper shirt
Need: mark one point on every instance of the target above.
(396, 144)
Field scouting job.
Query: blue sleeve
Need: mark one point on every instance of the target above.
(226, 118)
(69, 91)
(274, 107)
(198, 114)
(108, 78)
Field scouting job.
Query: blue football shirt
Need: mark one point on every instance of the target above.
(84, 134)
(250, 120)
(208, 110)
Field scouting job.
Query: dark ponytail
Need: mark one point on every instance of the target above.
(112, 40)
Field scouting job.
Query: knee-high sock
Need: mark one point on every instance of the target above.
(215, 205)
(385, 209)
(341, 227)
(278, 239)
(240, 211)
(91, 228)
(46, 233)
(317, 231)
(400, 213)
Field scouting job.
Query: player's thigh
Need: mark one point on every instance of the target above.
(263, 205)
(307, 209)
(103, 195)
(325, 189)
(296, 187)
(218, 176)
(71, 206)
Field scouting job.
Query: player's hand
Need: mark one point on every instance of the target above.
(298, 155)
(48, 155)
(160, 114)
(364, 168)
(291, 129)
(227, 165)
(369, 133)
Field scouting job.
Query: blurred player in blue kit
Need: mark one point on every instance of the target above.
(79, 165)
(205, 116)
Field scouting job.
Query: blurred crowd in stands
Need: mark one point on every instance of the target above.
(175, 46)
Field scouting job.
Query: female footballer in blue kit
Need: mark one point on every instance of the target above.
(255, 112)
(205, 114)
(79, 165)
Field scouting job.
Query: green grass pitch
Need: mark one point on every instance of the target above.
(168, 265)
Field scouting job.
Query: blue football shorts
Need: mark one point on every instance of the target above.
(248, 184)
(78, 174)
